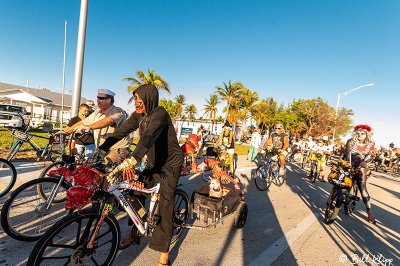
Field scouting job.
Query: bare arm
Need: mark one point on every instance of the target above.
(105, 122)
(268, 142)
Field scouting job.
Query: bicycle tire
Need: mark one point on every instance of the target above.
(181, 213)
(61, 231)
(7, 170)
(13, 150)
(332, 211)
(262, 179)
(330, 207)
(29, 225)
(279, 180)
(241, 215)
(350, 206)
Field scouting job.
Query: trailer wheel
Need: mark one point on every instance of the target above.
(241, 215)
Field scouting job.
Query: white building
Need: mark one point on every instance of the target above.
(43, 104)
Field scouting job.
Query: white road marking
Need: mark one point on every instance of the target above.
(277, 248)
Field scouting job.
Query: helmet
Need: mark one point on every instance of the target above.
(325, 138)
(391, 145)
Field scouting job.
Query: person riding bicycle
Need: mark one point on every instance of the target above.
(358, 150)
(83, 144)
(226, 144)
(104, 121)
(318, 154)
(164, 158)
(280, 141)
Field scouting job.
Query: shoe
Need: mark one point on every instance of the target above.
(282, 171)
(371, 217)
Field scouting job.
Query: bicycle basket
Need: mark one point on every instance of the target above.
(85, 175)
(55, 138)
(77, 197)
(20, 135)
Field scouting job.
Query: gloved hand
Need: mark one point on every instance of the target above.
(127, 164)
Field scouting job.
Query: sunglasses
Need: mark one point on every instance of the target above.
(102, 98)
(278, 128)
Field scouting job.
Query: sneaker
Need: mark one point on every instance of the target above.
(282, 171)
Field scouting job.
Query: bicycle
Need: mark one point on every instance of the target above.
(96, 231)
(306, 159)
(21, 137)
(8, 176)
(344, 190)
(268, 172)
(315, 161)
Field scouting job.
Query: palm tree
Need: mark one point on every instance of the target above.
(191, 111)
(180, 102)
(151, 77)
(211, 109)
(229, 93)
(247, 103)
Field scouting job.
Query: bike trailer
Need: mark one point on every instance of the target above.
(206, 208)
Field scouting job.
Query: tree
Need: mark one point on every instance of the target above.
(151, 77)
(210, 109)
(180, 102)
(191, 111)
(247, 101)
(230, 93)
(170, 107)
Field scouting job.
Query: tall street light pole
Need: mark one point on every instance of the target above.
(337, 105)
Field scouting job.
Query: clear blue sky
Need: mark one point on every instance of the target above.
(284, 49)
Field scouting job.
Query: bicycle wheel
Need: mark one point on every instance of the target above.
(181, 212)
(66, 241)
(24, 215)
(311, 175)
(8, 176)
(241, 215)
(332, 208)
(262, 178)
(304, 162)
(278, 179)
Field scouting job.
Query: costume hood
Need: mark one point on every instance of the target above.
(149, 95)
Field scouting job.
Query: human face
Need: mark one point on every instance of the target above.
(278, 128)
(103, 101)
(361, 135)
(139, 104)
(84, 111)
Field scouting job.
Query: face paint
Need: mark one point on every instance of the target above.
(139, 105)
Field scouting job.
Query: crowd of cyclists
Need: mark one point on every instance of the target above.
(158, 147)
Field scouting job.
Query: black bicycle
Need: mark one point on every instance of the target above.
(344, 191)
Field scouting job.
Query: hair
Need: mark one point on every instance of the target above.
(279, 124)
(112, 98)
(84, 105)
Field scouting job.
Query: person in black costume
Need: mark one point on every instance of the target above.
(159, 143)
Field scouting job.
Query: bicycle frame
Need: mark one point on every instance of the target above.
(115, 190)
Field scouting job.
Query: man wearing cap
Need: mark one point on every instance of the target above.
(280, 141)
(104, 121)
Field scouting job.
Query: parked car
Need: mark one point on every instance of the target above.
(13, 116)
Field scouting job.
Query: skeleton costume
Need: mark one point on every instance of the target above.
(359, 154)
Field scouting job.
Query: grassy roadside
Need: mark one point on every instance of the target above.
(26, 152)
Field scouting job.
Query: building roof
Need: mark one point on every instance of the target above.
(48, 96)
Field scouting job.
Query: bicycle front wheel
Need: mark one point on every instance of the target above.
(262, 178)
(66, 241)
(26, 215)
(181, 212)
(8, 176)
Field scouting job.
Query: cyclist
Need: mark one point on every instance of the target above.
(279, 140)
(226, 144)
(358, 150)
(85, 144)
(164, 158)
(104, 121)
(318, 154)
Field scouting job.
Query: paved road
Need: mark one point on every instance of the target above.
(284, 227)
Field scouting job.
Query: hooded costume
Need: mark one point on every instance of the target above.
(164, 156)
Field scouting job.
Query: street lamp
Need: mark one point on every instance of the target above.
(337, 105)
